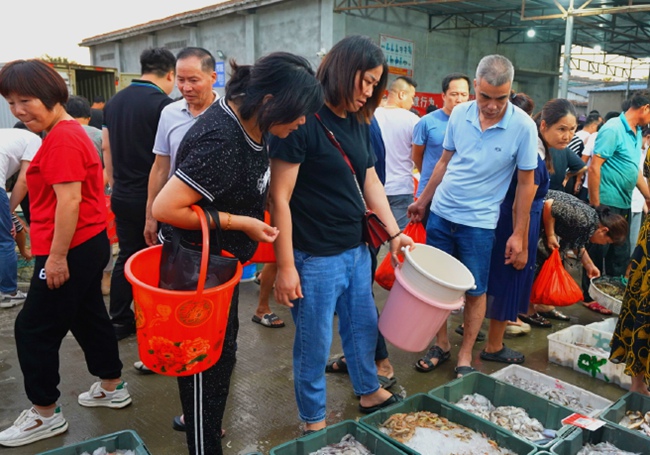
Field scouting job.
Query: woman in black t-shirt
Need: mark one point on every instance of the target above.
(222, 162)
(323, 263)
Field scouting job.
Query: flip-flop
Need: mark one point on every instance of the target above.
(268, 320)
(505, 355)
(390, 401)
(341, 366)
(463, 370)
(460, 330)
(535, 319)
(385, 382)
(554, 314)
(434, 352)
(598, 308)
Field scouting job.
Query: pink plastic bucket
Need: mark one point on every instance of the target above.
(410, 320)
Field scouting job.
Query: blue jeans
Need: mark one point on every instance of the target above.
(338, 283)
(8, 258)
(399, 205)
(470, 245)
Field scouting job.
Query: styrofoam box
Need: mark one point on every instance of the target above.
(596, 402)
(562, 350)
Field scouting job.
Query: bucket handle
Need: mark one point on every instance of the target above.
(205, 250)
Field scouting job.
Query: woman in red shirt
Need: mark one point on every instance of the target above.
(69, 242)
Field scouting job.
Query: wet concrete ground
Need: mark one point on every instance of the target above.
(261, 411)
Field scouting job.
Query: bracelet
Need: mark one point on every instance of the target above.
(393, 237)
(227, 228)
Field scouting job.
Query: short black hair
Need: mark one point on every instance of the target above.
(157, 60)
(207, 59)
(592, 118)
(33, 78)
(288, 79)
(408, 80)
(431, 108)
(638, 100)
(78, 107)
(454, 77)
(99, 99)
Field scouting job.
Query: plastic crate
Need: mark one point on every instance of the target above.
(563, 351)
(631, 401)
(122, 440)
(587, 399)
(502, 394)
(573, 443)
(607, 326)
(333, 434)
(424, 402)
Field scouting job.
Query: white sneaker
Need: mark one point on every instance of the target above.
(30, 426)
(12, 300)
(97, 397)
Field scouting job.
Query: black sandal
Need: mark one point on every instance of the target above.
(341, 366)
(434, 352)
(554, 314)
(535, 319)
(460, 330)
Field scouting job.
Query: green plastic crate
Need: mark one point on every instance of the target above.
(333, 434)
(573, 442)
(503, 394)
(631, 401)
(122, 440)
(424, 402)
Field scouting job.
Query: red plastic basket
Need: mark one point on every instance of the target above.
(180, 333)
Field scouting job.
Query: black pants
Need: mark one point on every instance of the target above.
(130, 221)
(612, 259)
(204, 395)
(77, 306)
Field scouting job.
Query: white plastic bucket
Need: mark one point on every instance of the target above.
(410, 320)
(436, 274)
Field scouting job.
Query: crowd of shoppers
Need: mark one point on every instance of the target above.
(484, 197)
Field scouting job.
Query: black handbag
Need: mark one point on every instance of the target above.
(180, 262)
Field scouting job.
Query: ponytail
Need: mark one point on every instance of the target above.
(239, 80)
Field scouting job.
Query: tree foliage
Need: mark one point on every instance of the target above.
(64, 60)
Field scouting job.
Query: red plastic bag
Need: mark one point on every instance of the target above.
(554, 285)
(111, 228)
(385, 273)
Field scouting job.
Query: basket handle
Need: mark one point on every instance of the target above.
(205, 250)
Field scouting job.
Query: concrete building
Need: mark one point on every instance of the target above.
(610, 98)
(248, 29)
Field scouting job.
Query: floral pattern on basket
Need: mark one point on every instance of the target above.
(178, 356)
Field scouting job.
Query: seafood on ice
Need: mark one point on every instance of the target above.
(557, 395)
(636, 420)
(348, 446)
(605, 448)
(511, 418)
(431, 434)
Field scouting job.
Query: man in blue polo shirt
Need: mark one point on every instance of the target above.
(486, 140)
(430, 130)
(614, 172)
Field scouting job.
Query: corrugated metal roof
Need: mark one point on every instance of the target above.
(620, 87)
(186, 18)
(624, 32)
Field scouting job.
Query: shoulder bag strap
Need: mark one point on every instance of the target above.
(216, 243)
(336, 144)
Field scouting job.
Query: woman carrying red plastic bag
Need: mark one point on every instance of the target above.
(569, 224)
